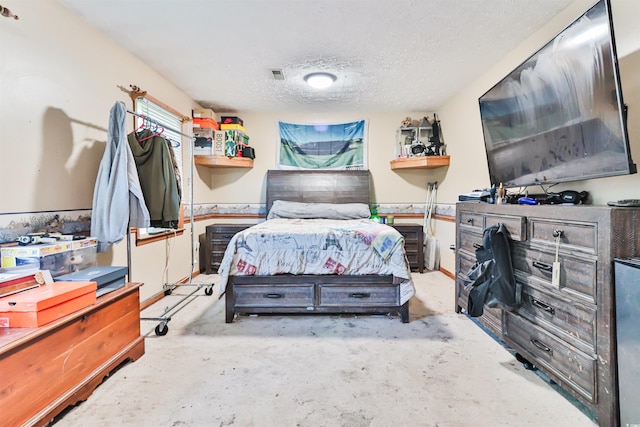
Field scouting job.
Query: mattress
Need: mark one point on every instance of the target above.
(320, 247)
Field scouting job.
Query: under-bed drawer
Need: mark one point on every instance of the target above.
(361, 296)
(273, 296)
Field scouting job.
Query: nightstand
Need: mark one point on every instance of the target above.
(413, 244)
(218, 237)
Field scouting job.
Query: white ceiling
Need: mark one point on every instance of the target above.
(388, 55)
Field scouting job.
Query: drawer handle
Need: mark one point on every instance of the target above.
(543, 266)
(546, 307)
(558, 233)
(470, 220)
(273, 296)
(360, 295)
(541, 346)
(477, 246)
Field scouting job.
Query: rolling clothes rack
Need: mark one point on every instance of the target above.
(165, 317)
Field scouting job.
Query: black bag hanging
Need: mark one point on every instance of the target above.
(492, 282)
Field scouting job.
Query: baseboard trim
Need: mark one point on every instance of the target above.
(448, 273)
(157, 297)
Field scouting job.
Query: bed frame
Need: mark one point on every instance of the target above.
(330, 294)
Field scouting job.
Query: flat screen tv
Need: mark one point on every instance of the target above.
(560, 115)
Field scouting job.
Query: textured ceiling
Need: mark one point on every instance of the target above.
(388, 55)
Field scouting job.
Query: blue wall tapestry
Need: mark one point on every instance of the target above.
(326, 146)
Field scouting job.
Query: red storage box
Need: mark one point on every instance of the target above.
(44, 304)
(205, 123)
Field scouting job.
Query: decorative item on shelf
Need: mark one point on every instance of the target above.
(436, 145)
(412, 139)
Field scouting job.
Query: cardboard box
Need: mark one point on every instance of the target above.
(203, 146)
(44, 304)
(231, 120)
(218, 143)
(108, 278)
(204, 113)
(205, 123)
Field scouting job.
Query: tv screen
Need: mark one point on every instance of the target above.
(560, 115)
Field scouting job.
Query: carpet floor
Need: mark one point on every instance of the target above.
(440, 370)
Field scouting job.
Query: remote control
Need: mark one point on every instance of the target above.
(625, 203)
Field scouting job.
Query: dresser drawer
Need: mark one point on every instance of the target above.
(491, 317)
(578, 275)
(336, 295)
(515, 225)
(273, 296)
(570, 321)
(469, 242)
(471, 220)
(576, 236)
(570, 366)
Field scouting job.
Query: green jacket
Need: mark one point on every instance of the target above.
(157, 177)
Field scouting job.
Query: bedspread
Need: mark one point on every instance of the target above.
(318, 246)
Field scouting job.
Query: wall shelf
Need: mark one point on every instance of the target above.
(422, 162)
(223, 161)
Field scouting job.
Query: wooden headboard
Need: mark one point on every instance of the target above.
(324, 186)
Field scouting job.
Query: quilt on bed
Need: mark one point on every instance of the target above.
(318, 246)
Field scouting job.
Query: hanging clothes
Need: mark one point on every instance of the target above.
(157, 177)
(118, 200)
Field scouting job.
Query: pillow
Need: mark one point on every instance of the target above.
(284, 209)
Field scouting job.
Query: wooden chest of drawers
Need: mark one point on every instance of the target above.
(217, 239)
(413, 244)
(568, 330)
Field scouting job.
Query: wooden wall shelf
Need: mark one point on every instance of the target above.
(223, 161)
(423, 162)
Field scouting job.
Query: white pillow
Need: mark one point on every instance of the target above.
(296, 210)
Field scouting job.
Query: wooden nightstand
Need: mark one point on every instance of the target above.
(413, 244)
(218, 237)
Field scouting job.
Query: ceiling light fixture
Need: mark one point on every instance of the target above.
(320, 80)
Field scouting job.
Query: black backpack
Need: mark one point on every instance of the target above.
(491, 279)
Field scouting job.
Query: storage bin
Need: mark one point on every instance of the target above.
(44, 304)
(108, 278)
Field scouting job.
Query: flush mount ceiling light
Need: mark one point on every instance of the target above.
(320, 80)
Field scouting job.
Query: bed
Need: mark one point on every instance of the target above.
(332, 263)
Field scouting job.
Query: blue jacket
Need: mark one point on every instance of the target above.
(118, 202)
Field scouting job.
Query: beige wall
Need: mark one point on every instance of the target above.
(248, 186)
(462, 128)
(59, 78)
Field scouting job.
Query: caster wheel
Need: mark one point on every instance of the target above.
(208, 290)
(525, 363)
(162, 329)
(168, 291)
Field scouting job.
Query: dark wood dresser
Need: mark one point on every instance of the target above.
(44, 370)
(567, 331)
(217, 239)
(413, 244)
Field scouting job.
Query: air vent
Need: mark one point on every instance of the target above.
(277, 74)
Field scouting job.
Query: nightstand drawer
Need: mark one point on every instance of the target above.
(218, 237)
